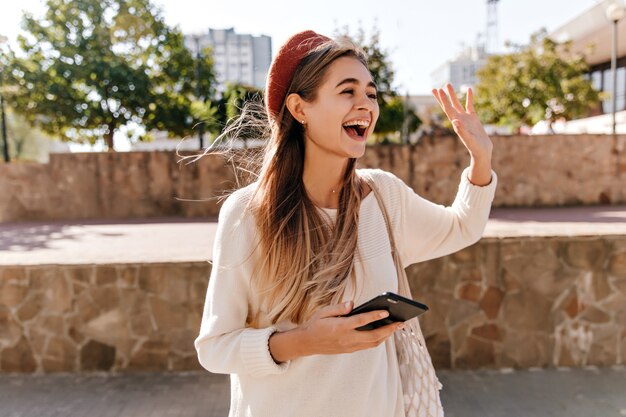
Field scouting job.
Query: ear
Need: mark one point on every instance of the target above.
(295, 104)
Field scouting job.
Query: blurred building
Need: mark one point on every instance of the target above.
(239, 58)
(461, 71)
(590, 34)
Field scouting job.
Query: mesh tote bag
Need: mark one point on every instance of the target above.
(420, 385)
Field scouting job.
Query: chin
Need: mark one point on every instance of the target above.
(355, 151)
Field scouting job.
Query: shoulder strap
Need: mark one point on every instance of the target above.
(403, 284)
(383, 209)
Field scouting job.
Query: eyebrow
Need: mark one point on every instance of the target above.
(355, 81)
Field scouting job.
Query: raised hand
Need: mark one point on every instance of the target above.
(465, 122)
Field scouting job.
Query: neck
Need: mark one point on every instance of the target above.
(323, 178)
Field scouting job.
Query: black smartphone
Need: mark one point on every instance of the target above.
(400, 309)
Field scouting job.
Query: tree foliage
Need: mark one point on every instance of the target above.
(542, 81)
(88, 67)
(218, 113)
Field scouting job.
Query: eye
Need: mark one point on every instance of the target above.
(373, 96)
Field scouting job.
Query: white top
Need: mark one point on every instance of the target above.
(359, 384)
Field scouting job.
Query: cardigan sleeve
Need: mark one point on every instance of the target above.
(224, 344)
(425, 230)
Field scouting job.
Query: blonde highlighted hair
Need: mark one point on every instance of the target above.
(305, 261)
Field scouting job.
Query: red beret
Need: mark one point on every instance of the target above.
(284, 65)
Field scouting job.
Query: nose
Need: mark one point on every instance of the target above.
(366, 102)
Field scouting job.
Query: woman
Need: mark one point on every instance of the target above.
(306, 242)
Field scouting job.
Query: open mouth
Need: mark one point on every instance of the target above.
(355, 131)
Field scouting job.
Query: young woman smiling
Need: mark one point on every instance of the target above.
(302, 245)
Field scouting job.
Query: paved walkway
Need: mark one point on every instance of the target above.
(541, 393)
(178, 240)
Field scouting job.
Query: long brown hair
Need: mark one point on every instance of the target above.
(305, 260)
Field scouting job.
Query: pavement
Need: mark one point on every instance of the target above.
(191, 240)
(585, 392)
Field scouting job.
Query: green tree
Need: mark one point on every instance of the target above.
(542, 81)
(88, 67)
(215, 115)
(392, 111)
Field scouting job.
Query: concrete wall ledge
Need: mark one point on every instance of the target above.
(534, 171)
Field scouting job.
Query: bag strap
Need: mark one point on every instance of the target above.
(403, 284)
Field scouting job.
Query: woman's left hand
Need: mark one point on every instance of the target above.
(465, 122)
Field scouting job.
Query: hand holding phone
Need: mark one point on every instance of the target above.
(399, 308)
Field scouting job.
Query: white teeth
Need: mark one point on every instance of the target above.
(357, 122)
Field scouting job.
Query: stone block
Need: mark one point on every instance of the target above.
(13, 291)
(438, 346)
(10, 329)
(58, 293)
(60, 355)
(151, 279)
(601, 287)
(523, 350)
(167, 315)
(80, 274)
(573, 306)
(469, 292)
(109, 328)
(515, 256)
(176, 289)
(142, 324)
(527, 311)
(185, 363)
(461, 310)
(620, 285)
(617, 264)
(476, 353)
(604, 346)
(105, 298)
(127, 276)
(466, 255)
(96, 356)
(587, 254)
(490, 263)
(18, 358)
(575, 337)
(491, 302)
(85, 307)
(105, 275)
(153, 355)
(595, 315)
(487, 331)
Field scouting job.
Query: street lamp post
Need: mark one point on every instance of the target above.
(5, 142)
(614, 13)
(198, 90)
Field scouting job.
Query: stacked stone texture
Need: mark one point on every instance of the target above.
(533, 171)
(512, 302)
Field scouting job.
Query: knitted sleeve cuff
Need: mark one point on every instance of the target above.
(255, 352)
(475, 195)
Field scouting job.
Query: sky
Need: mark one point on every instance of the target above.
(419, 36)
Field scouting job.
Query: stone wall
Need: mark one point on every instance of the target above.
(100, 317)
(526, 302)
(533, 171)
(519, 303)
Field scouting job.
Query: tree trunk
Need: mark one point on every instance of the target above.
(108, 138)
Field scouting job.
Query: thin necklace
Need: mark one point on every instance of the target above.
(334, 190)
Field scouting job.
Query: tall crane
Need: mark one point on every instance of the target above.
(491, 35)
